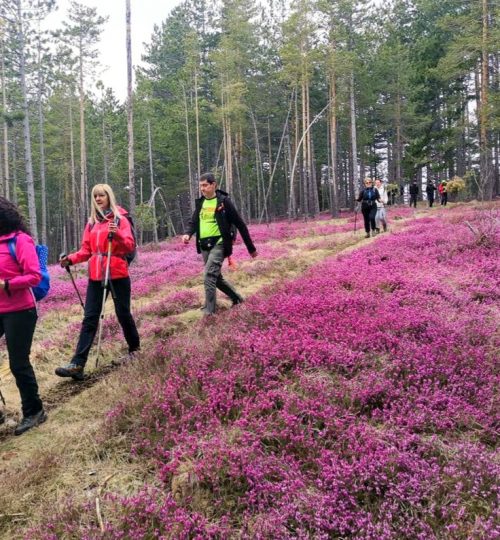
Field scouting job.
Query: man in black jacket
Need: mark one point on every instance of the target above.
(413, 194)
(213, 221)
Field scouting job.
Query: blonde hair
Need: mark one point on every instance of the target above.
(368, 179)
(95, 210)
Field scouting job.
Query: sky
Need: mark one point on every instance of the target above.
(113, 56)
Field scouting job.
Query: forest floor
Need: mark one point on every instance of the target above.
(75, 456)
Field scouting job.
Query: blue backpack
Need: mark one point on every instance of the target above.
(42, 289)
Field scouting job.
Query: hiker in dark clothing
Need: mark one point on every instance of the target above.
(430, 189)
(18, 313)
(413, 194)
(368, 198)
(212, 221)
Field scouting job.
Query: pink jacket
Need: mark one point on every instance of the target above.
(21, 274)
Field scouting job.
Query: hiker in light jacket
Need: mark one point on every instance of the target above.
(18, 313)
(106, 217)
(381, 215)
(368, 197)
(212, 220)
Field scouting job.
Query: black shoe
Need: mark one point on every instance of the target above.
(367, 235)
(237, 301)
(71, 370)
(29, 422)
(385, 228)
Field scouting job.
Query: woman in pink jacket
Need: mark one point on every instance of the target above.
(105, 217)
(18, 314)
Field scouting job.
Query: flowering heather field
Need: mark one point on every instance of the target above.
(357, 401)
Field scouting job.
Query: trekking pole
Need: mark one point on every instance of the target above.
(61, 256)
(355, 217)
(104, 288)
(3, 399)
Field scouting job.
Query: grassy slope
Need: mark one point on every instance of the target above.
(73, 454)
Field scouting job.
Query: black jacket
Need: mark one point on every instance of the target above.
(430, 189)
(226, 215)
(368, 196)
(413, 189)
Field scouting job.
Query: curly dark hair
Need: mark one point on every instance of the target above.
(11, 219)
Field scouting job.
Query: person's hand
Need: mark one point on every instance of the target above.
(186, 238)
(64, 262)
(254, 254)
(2, 284)
(112, 227)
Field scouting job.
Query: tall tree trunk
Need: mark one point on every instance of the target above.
(77, 224)
(484, 143)
(130, 113)
(42, 159)
(6, 169)
(153, 193)
(83, 150)
(5, 144)
(354, 177)
(192, 194)
(197, 120)
(30, 182)
(333, 181)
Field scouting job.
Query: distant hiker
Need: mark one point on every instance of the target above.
(430, 189)
(381, 215)
(106, 217)
(213, 222)
(413, 193)
(443, 192)
(18, 313)
(368, 197)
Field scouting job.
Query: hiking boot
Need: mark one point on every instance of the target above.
(367, 235)
(71, 370)
(385, 227)
(129, 357)
(237, 301)
(29, 422)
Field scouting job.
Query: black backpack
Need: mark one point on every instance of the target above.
(130, 257)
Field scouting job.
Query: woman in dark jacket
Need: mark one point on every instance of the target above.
(106, 218)
(18, 314)
(368, 198)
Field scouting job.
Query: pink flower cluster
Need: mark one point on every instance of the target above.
(356, 401)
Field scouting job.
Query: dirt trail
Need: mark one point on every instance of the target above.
(56, 392)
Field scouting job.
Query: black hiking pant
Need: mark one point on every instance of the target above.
(93, 306)
(19, 327)
(369, 213)
(413, 200)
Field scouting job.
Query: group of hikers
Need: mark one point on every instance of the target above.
(107, 243)
(373, 198)
(108, 240)
(430, 189)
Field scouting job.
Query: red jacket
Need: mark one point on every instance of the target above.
(94, 248)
